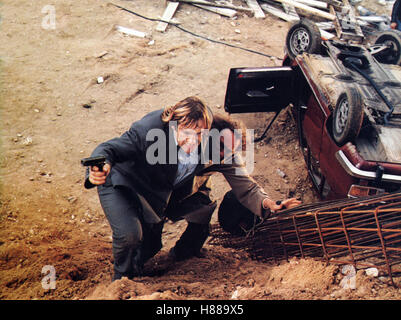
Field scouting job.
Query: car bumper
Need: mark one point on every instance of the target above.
(364, 174)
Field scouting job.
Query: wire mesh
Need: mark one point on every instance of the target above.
(364, 232)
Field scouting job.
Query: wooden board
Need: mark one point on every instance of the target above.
(257, 11)
(314, 3)
(222, 11)
(309, 9)
(290, 10)
(291, 18)
(207, 3)
(278, 13)
(167, 15)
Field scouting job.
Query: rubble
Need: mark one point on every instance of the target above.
(329, 15)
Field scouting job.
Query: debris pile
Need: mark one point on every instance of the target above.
(334, 18)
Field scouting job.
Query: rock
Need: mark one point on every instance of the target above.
(241, 293)
(27, 141)
(349, 281)
(281, 173)
(372, 272)
(251, 282)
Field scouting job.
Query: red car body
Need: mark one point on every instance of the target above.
(356, 168)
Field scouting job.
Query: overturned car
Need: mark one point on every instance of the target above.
(347, 106)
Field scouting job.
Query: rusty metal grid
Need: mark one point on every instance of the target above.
(362, 232)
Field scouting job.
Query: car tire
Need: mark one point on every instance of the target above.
(393, 54)
(347, 116)
(303, 36)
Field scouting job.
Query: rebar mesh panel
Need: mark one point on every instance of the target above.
(364, 232)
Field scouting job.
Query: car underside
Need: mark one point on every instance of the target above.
(348, 110)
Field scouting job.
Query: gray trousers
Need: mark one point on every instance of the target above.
(135, 241)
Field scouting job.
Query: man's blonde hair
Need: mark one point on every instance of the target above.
(188, 112)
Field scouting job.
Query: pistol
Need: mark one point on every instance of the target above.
(94, 162)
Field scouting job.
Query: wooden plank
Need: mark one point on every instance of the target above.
(291, 18)
(222, 11)
(325, 25)
(131, 32)
(290, 10)
(257, 11)
(207, 3)
(326, 35)
(371, 19)
(314, 3)
(278, 13)
(309, 9)
(167, 15)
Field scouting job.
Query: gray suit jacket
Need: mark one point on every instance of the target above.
(152, 184)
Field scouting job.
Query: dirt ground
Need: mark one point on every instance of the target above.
(54, 112)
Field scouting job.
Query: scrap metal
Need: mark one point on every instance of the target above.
(364, 232)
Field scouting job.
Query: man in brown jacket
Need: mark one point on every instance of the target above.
(192, 201)
(141, 186)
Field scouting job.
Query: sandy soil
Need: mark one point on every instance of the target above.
(54, 113)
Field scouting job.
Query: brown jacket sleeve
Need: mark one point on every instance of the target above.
(245, 188)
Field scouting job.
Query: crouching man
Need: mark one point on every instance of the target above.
(159, 170)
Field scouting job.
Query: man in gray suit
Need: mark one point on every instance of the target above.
(146, 181)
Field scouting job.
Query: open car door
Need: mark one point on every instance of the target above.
(267, 89)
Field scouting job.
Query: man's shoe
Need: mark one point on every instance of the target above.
(202, 253)
(176, 257)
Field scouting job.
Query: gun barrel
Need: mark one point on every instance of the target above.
(94, 161)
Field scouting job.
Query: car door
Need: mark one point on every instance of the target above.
(267, 89)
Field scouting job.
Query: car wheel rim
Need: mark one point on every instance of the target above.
(300, 41)
(342, 115)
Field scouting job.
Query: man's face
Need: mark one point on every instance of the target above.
(189, 138)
